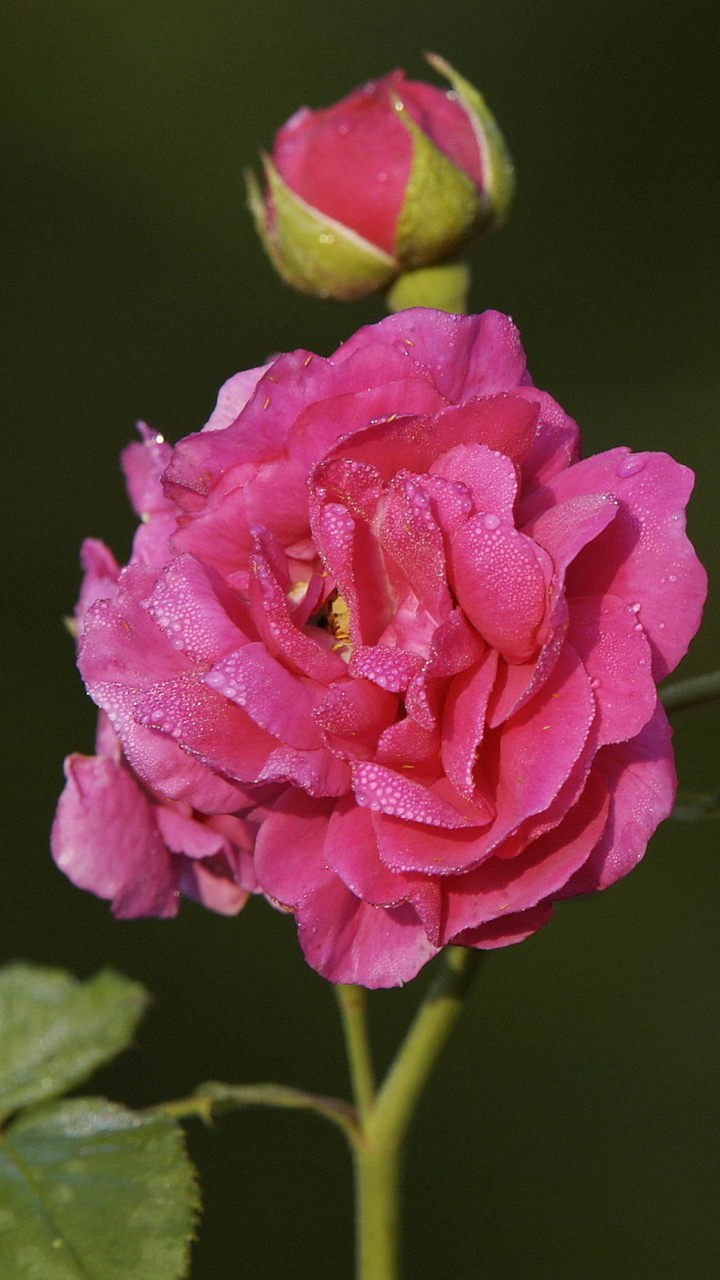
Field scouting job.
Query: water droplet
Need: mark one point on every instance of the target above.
(672, 577)
(595, 683)
(630, 466)
(491, 521)
(633, 608)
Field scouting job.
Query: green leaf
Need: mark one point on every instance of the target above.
(55, 1030)
(89, 1189)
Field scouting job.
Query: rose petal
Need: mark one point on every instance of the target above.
(501, 885)
(497, 576)
(105, 839)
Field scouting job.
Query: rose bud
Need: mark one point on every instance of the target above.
(393, 179)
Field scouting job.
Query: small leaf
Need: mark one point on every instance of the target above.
(312, 252)
(55, 1030)
(498, 172)
(89, 1189)
(441, 207)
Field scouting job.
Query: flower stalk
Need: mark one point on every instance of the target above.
(691, 693)
(385, 1119)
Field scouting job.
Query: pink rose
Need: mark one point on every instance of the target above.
(382, 610)
(397, 175)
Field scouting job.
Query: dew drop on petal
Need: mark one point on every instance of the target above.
(631, 466)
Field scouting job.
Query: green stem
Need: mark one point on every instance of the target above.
(444, 286)
(215, 1096)
(423, 1045)
(353, 1011)
(691, 693)
(378, 1154)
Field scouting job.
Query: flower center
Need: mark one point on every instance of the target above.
(338, 619)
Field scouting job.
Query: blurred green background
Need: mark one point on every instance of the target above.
(572, 1128)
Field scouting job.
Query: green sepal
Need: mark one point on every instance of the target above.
(90, 1189)
(310, 251)
(56, 1030)
(441, 208)
(444, 287)
(497, 167)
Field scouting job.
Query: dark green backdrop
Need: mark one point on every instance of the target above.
(572, 1130)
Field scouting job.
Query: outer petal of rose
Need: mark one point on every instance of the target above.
(570, 791)
(498, 580)
(292, 382)
(183, 835)
(208, 725)
(163, 765)
(210, 884)
(414, 443)
(288, 850)
(615, 652)
(506, 930)
(345, 939)
(466, 355)
(314, 433)
(557, 440)
(219, 535)
(100, 574)
(274, 698)
(199, 618)
(644, 556)
(501, 885)
(105, 839)
(122, 644)
(350, 849)
(233, 396)
(463, 723)
(641, 777)
(143, 464)
(151, 543)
